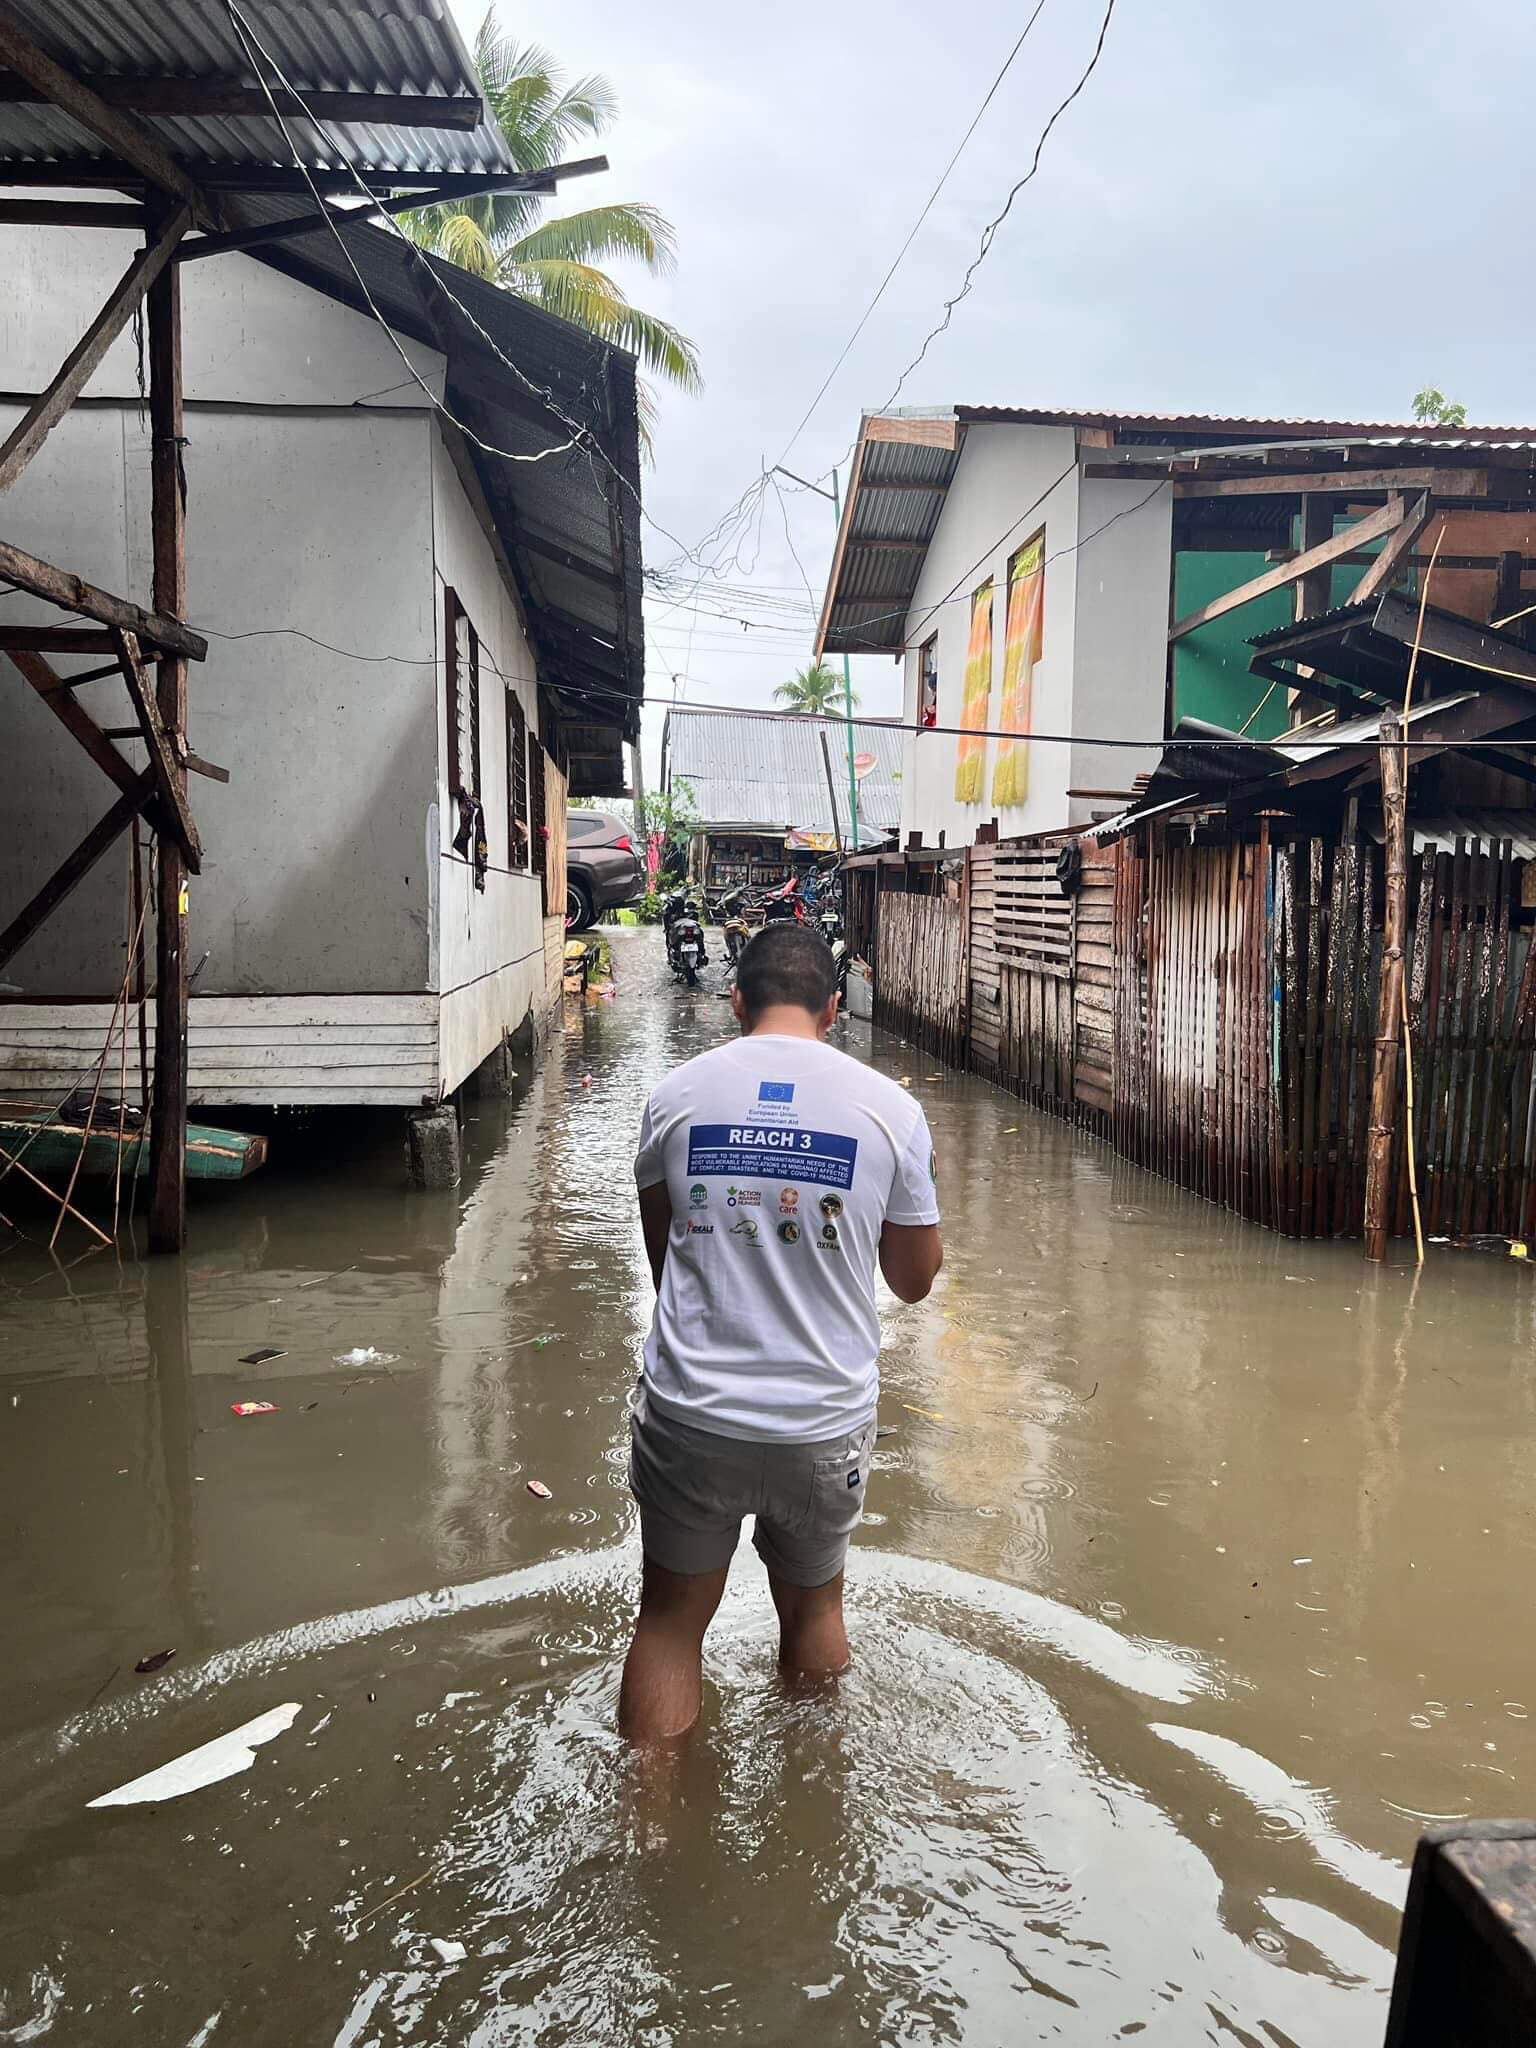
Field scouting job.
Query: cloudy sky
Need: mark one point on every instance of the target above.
(1306, 209)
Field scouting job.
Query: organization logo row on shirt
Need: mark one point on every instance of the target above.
(746, 1229)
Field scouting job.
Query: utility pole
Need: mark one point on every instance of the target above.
(853, 780)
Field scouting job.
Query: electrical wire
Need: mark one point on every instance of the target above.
(928, 205)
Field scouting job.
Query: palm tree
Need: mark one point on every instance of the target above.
(555, 263)
(815, 690)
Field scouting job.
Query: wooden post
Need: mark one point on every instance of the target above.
(168, 1115)
(1389, 1000)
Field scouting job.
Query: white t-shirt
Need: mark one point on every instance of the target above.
(783, 1158)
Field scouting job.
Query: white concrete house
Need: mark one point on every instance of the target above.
(413, 642)
(942, 508)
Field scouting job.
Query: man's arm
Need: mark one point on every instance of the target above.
(656, 1224)
(910, 1257)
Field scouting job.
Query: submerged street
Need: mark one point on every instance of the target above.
(1192, 1589)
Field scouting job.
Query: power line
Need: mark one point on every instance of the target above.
(989, 232)
(928, 205)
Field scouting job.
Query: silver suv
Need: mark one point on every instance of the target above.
(602, 868)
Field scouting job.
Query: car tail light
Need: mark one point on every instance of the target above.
(622, 845)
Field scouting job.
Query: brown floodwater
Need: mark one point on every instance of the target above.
(1195, 1583)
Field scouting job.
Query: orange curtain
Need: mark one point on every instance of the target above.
(971, 755)
(1021, 650)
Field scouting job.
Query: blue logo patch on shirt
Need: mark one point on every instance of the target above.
(775, 1091)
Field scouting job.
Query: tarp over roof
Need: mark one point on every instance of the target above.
(769, 774)
(398, 47)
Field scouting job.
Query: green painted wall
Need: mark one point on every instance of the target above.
(1210, 665)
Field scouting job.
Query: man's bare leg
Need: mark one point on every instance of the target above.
(813, 1642)
(663, 1673)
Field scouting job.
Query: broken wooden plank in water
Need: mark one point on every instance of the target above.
(212, 1153)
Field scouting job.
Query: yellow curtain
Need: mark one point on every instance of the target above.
(971, 755)
(1021, 650)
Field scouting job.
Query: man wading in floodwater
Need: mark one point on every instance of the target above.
(772, 1173)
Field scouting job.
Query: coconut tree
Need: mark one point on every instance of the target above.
(815, 690)
(556, 260)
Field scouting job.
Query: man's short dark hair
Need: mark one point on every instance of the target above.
(786, 963)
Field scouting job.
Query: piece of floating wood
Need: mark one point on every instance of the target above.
(212, 1153)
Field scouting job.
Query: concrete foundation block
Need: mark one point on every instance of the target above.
(494, 1076)
(522, 1041)
(432, 1147)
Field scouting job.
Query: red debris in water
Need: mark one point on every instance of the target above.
(253, 1407)
(539, 1490)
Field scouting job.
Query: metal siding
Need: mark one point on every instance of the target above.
(769, 774)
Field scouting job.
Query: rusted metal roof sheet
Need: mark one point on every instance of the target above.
(1200, 423)
(1484, 831)
(769, 774)
(386, 46)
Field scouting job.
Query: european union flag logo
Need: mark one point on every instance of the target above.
(775, 1091)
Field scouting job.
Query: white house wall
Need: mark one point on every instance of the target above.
(1122, 634)
(1001, 472)
(310, 484)
(491, 941)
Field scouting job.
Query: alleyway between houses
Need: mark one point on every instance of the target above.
(1195, 1585)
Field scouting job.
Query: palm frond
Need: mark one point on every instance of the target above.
(602, 232)
(453, 233)
(660, 346)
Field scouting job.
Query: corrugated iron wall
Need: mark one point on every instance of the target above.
(1211, 1010)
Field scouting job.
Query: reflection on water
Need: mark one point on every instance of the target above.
(1191, 1587)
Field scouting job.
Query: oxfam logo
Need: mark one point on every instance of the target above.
(698, 1195)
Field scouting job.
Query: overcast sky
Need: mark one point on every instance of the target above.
(1307, 209)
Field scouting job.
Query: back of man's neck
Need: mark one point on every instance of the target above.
(784, 1020)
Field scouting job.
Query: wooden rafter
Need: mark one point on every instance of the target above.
(1446, 483)
(1392, 559)
(121, 133)
(72, 594)
(227, 96)
(75, 372)
(170, 786)
(73, 869)
(69, 213)
(77, 720)
(310, 223)
(1372, 527)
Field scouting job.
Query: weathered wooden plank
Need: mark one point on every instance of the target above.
(136, 145)
(75, 372)
(73, 594)
(170, 781)
(1286, 573)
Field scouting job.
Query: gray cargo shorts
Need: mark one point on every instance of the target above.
(694, 1488)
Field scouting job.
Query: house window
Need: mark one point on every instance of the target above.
(538, 819)
(463, 645)
(518, 837)
(928, 684)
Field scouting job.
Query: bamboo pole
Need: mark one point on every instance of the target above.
(1391, 1006)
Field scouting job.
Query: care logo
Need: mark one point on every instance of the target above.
(789, 1201)
(743, 1198)
(789, 1231)
(698, 1195)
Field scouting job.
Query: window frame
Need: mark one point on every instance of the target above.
(519, 847)
(927, 653)
(462, 663)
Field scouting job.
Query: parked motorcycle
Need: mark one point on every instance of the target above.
(685, 938)
(829, 922)
(731, 911)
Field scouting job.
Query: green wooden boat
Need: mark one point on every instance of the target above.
(52, 1145)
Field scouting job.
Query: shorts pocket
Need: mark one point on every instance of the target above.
(838, 1480)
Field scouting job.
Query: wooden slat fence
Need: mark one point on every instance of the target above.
(1214, 1015)
(920, 972)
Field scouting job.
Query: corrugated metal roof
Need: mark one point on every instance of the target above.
(389, 46)
(1280, 430)
(1483, 829)
(770, 773)
(894, 503)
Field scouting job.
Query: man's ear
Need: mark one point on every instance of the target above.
(738, 1008)
(828, 1016)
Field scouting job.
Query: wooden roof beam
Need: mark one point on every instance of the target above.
(72, 594)
(78, 367)
(227, 96)
(1445, 483)
(121, 133)
(1393, 558)
(1372, 527)
(70, 213)
(442, 191)
(74, 867)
